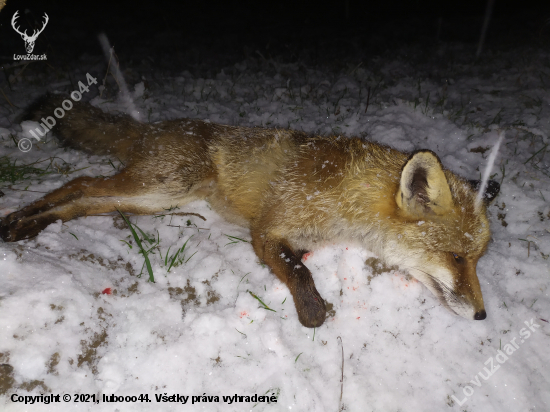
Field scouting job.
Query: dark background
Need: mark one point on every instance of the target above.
(225, 31)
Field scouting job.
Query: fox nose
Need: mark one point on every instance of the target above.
(480, 315)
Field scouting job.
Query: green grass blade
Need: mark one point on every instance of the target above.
(173, 260)
(129, 245)
(166, 257)
(191, 256)
(262, 303)
(145, 235)
(234, 239)
(138, 242)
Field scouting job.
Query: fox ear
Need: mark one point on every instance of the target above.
(491, 191)
(423, 189)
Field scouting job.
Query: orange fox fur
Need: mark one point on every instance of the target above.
(292, 190)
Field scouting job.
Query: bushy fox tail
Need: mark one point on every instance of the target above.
(84, 127)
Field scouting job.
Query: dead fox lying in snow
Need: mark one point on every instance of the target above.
(292, 190)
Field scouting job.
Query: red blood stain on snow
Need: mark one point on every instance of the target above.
(404, 281)
(306, 256)
(106, 291)
(243, 314)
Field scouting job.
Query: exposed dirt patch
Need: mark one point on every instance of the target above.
(479, 149)
(89, 354)
(53, 362)
(7, 382)
(56, 308)
(331, 312)
(119, 222)
(501, 216)
(101, 314)
(83, 256)
(32, 385)
(211, 296)
(18, 250)
(133, 289)
(6, 374)
(188, 295)
(378, 267)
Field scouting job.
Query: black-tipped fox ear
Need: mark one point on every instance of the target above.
(491, 191)
(423, 189)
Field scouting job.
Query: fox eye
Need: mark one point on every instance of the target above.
(458, 259)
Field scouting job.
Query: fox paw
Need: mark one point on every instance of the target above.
(14, 227)
(8, 228)
(310, 306)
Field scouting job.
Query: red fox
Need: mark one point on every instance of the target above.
(294, 191)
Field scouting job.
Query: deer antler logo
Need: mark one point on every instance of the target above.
(29, 40)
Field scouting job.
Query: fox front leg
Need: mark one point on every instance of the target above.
(284, 262)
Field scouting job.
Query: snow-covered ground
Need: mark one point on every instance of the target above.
(197, 331)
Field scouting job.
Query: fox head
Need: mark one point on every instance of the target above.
(446, 232)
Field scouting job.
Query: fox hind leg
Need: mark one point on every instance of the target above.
(87, 196)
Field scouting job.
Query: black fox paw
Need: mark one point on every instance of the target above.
(14, 227)
(8, 228)
(310, 307)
